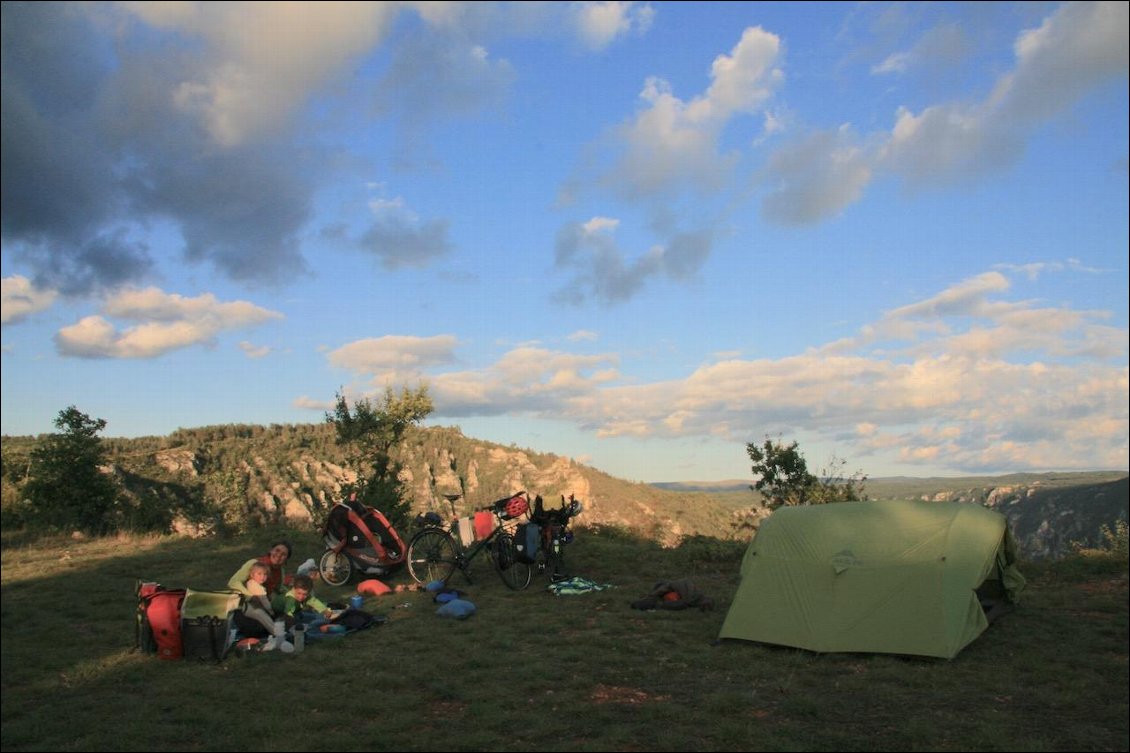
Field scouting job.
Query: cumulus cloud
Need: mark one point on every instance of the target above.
(251, 350)
(672, 144)
(600, 23)
(20, 298)
(604, 271)
(308, 403)
(970, 320)
(970, 379)
(670, 148)
(815, 178)
(263, 59)
(1077, 48)
(96, 149)
(392, 356)
(1080, 46)
(398, 238)
(939, 48)
(167, 322)
(527, 379)
(441, 75)
(195, 120)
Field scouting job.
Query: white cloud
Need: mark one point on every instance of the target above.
(940, 47)
(600, 224)
(967, 380)
(252, 350)
(265, 58)
(307, 403)
(600, 23)
(603, 270)
(393, 354)
(743, 80)
(1078, 47)
(168, 322)
(398, 238)
(19, 299)
(816, 177)
(897, 62)
(672, 144)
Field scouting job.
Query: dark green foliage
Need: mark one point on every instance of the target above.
(67, 488)
(782, 473)
(234, 478)
(371, 431)
(783, 477)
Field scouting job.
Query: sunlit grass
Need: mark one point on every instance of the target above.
(533, 671)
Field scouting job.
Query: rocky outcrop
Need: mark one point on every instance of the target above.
(1051, 520)
(178, 461)
(218, 478)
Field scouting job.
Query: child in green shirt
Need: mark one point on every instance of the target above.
(301, 604)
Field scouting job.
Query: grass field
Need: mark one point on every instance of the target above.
(533, 671)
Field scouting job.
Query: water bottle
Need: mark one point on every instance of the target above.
(299, 637)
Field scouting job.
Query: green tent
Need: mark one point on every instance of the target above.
(879, 577)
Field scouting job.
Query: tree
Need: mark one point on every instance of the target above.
(782, 473)
(67, 488)
(783, 477)
(370, 431)
(833, 486)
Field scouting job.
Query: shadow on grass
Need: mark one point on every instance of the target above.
(531, 671)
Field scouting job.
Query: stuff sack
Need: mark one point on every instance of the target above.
(527, 538)
(465, 527)
(459, 609)
(373, 587)
(484, 524)
(208, 623)
(357, 619)
(674, 595)
(159, 620)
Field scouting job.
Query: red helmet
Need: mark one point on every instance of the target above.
(517, 506)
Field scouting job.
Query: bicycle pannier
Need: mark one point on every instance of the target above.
(527, 537)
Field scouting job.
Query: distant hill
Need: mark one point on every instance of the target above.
(240, 476)
(704, 486)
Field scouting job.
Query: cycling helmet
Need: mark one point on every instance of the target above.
(516, 506)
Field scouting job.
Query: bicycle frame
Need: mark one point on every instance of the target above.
(436, 551)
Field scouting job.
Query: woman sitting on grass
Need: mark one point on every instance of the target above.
(256, 621)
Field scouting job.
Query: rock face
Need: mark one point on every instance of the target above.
(178, 461)
(1047, 519)
(247, 476)
(1049, 522)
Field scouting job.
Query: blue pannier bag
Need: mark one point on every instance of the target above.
(527, 538)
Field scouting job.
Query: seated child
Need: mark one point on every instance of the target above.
(255, 588)
(300, 603)
(258, 608)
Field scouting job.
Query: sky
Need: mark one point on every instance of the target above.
(641, 235)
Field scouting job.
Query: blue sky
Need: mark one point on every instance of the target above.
(638, 234)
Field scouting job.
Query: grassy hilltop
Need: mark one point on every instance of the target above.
(232, 478)
(533, 671)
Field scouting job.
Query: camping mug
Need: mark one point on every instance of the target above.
(356, 601)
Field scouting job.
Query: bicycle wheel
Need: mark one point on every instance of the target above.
(516, 575)
(335, 568)
(431, 555)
